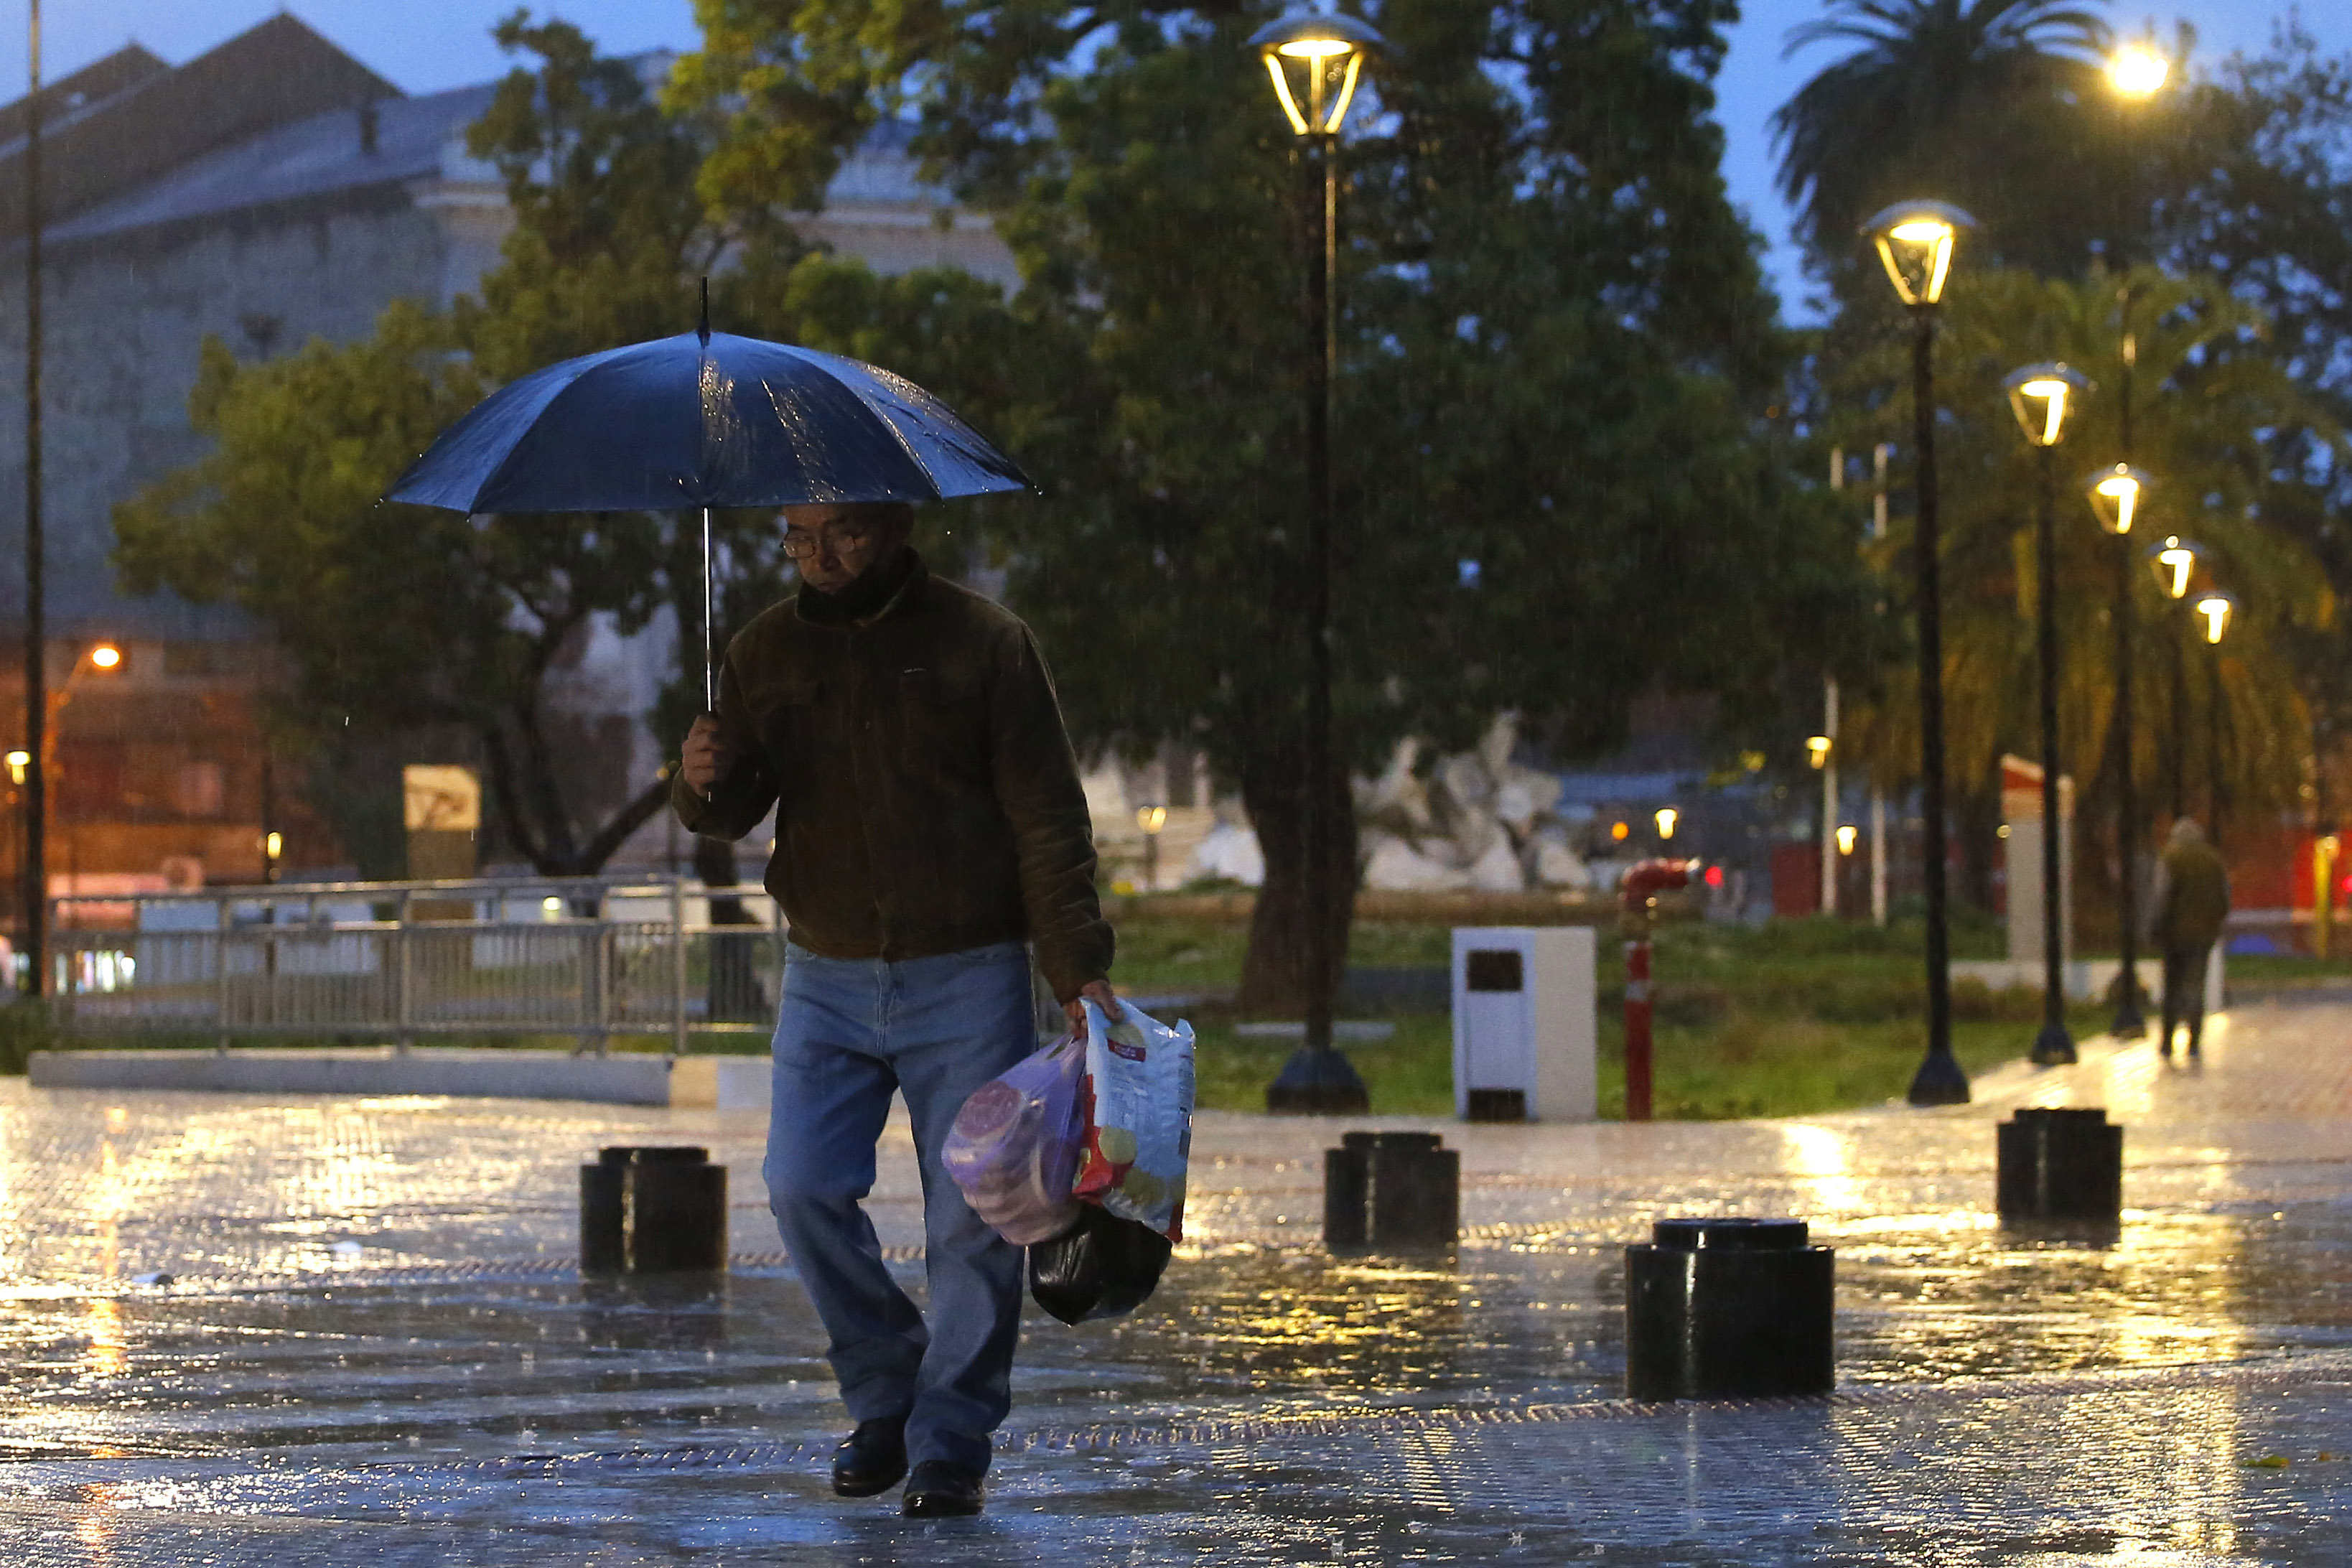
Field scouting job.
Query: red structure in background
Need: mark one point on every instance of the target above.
(1640, 892)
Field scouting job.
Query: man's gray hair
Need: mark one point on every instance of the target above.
(2186, 830)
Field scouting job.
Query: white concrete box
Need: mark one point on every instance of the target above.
(1524, 1023)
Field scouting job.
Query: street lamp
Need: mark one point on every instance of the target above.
(2212, 610)
(1151, 819)
(2137, 70)
(37, 632)
(2043, 396)
(1915, 241)
(2118, 496)
(2174, 562)
(1323, 55)
(37, 763)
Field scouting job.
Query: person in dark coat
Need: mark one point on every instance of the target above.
(2192, 900)
(931, 840)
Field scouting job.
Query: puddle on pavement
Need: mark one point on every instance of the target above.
(485, 1368)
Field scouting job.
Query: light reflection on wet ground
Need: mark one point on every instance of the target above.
(374, 1348)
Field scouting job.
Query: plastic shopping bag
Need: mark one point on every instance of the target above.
(1136, 1103)
(1015, 1146)
(1102, 1266)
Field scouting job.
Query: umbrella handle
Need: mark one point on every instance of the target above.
(710, 664)
(710, 661)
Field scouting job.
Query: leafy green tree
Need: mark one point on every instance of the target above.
(2204, 422)
(2256, 187)
(1563, 482)
(399, 618)
(1998, 106)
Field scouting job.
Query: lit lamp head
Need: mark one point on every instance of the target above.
(1915, 239)
(1327, 55)
(2044, 397)
(106, 655)
(1151, 818)
(2118, 495)
(17, 763)
(2174, 562)
(2214, 609)
(1817, 750)
(1667, 817)
(2137, 70)
(1846, 836)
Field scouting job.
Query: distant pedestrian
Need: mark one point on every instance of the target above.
(2193, 899)
(931, 833)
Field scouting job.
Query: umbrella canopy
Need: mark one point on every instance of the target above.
(704, 419)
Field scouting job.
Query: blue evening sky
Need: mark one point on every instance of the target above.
(424, 44)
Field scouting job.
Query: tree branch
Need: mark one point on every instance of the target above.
(634, 815)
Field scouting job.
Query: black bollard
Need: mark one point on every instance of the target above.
(653, 1211)
(1729, 1309)
(2060, 1164)
(1391, 1192)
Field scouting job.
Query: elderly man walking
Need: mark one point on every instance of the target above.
(2192, 900)
(931, 834)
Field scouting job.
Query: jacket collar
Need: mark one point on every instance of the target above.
(877, 593)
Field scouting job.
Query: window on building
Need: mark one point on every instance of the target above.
(200, 789)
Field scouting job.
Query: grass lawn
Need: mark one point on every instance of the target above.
(1790, 1019)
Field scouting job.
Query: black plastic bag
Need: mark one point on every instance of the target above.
(1102, 1266)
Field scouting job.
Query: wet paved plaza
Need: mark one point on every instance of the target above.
(372, 1347)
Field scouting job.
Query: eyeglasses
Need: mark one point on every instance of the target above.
(844, 541)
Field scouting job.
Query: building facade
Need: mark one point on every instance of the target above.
(269, 192)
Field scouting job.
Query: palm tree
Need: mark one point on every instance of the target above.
(1938, 94)
(2206, 408)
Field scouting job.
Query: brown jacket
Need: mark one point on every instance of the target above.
(928, 799)
(2195, 898)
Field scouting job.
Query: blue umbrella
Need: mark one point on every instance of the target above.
(702, 420)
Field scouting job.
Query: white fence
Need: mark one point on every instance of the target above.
(587, 958)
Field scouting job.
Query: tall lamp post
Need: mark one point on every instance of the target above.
(2136, 73)
(2174, 562)
(2214, 609)
(2117, 497)
(1914, 240)
(1326, 55)
(37, 701)
(2043, 397)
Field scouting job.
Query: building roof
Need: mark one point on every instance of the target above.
(136, 124)
(420, 138)
(415, 138)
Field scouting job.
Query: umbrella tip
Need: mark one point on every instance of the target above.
(704, 331)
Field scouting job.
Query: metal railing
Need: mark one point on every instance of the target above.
(584, 957)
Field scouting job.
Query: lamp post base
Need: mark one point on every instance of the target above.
(1318, 1083)
(1940, 1081)
(2130, 1023)
(2053, 1047)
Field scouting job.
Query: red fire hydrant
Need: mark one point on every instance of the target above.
(1640, 892)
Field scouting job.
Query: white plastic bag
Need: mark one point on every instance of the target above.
(1136, 1099)
(1013, 1149)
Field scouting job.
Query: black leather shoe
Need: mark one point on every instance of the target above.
(871, 1460)
(938, 1489)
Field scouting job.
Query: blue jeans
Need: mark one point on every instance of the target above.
(849, 1031)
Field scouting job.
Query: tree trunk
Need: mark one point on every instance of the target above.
(1273, 973)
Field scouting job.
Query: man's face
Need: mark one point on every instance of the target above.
(833, 542)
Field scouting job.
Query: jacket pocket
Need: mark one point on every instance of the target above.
(943, 722)
(786, 718)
